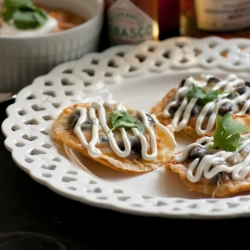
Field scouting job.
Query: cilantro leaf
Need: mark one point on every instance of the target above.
(218, 132)
(7, 15)
(202, 95)
(24, 14)
(196, 92)
(227, 133)
(232, 126)
(121, 119)
(16, 3)
(210, 96)
(231, 143)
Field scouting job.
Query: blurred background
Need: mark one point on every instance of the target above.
(193, 18)
(164, 12)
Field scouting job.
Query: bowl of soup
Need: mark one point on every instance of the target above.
(38, 35)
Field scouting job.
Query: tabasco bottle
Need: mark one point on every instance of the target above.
(132, 21)
(224, 18)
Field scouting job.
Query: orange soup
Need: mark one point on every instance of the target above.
(66, 20)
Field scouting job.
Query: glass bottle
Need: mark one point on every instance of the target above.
(224, 18)
(132, 21)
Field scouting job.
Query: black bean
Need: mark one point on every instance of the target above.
(196, 110)
(217, 163)
(232, 160)
(87, 124)
(212, 81)
(120, 145)
(150, 120)
(136, 147)
(209, 113)
(134, 140)
(242, 103)
(104, 139)
(73, 118)
(216, 180)
(201, 157)
(197, 152)
(232, 95)
(225, 108)
(182, 83)
(136, 150)
(247, 83)
(245, 151)
(219, 178)
(212, 151)
(174, 108)
(242, 90)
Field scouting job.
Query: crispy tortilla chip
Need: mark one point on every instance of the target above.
(218, 190)
(189, 130)
(131, 163)
(212, 171)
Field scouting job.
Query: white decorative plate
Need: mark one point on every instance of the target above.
(138, 76)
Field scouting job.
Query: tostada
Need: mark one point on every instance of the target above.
(192, 106)
(218, 166)
(115, 135)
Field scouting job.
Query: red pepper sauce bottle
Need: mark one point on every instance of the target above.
(132, 21)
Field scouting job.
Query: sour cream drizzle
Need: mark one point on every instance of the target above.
(183, 113)
(195, 170)
(101, 121)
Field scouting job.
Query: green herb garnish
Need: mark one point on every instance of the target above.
(24, 14)
(203, 96)
(121, 119)
(227, 133)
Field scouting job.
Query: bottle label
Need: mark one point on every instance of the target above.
(222, 15)
(128, 24)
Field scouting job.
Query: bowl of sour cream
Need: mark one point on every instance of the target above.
(35, 36)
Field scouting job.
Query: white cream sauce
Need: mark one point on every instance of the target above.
(195, 170)
(183, 113)
(98, 108)
(9, 29)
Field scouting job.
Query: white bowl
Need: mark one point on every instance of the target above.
(23, 59)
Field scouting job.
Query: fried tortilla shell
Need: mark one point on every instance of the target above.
(134, 162)
(212, 170)
(233, 99)
(204, 186)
